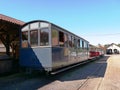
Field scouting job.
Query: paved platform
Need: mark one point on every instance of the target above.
(102, 74)
(111, 80)
(106, 76)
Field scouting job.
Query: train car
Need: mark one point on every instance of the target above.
(95, 52)
(47, 46)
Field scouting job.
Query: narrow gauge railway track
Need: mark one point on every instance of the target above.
(94, 74)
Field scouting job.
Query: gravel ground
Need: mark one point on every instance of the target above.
(102, 74)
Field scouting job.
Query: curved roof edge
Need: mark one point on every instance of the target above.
(35, 21)
(52, 24)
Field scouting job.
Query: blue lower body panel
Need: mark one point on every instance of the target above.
(28, 58)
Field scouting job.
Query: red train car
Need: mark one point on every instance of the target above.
(95, 51)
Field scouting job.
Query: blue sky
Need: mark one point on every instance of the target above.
(98, 21)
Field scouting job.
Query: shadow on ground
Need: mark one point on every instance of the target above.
(94, 69)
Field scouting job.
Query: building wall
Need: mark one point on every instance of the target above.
(113, 49)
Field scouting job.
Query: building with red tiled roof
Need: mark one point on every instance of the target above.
(9, 42)
(10, 19)
(9, 31)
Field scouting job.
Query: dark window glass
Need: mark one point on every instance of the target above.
(25, 39)
(54, 37)
(44, 37)
(75, 43)
(34, 38)
(78, 43)
(82, 44)
(61, 38)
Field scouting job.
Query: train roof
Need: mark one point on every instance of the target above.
(53, 25)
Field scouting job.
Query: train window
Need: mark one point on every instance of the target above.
(44, 25)
(34, 25)
(87, 46)
(25, 39)
(44, 37)
(61, 38)
(66, 40)
(54, 37)
(70, 41)
(26, 28)
(82, 44)
(34, 37)
(78, 43)
(75, 42)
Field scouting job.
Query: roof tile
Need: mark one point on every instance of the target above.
(10, 19)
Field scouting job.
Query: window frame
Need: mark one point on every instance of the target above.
(66, 40)
(53, 29)
(35, 39)
(24, 41)
(61, 38)
(48, 36)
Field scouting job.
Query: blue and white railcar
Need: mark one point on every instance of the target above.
(47, 46)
